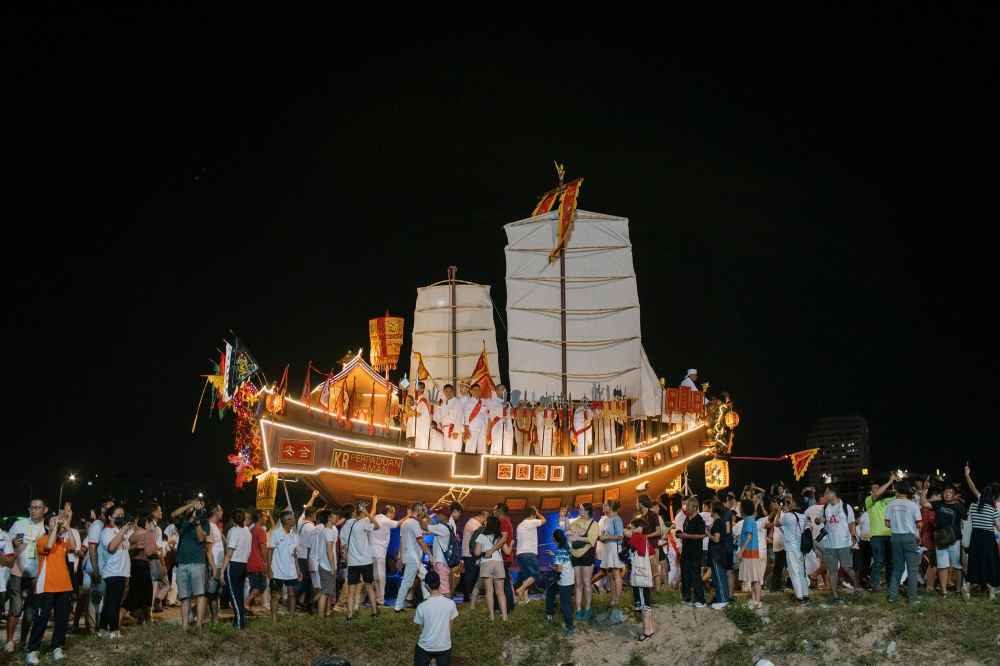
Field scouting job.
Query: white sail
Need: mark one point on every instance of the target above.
(432, 331)
(603, 340)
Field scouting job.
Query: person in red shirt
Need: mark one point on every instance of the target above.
(256, 563)
(53, 586)
(506, 552)
(927, 537)
(639, 543)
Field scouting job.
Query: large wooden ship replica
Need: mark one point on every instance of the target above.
(581, 389)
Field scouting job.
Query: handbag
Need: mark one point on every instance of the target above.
(945, 536)
(967, 530)
(577, 545)
(642, 573)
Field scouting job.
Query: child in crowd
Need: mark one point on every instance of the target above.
(562, 585)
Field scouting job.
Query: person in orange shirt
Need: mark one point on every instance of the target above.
(53, 586)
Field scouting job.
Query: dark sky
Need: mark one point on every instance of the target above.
(808, 196)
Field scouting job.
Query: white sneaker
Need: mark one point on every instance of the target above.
(718, 606)
(114, 635)
(9, 647)
(57, 654)
(32, 657)
(699, 605)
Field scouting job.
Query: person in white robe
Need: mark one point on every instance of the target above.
(452, 419)
(410, 414)
(583, 427)
(545, 425)
(423, 418)
(500, 437)
(436, 437)
(476, 423)
(689, 420)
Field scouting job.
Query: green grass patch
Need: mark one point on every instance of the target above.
(745, 619)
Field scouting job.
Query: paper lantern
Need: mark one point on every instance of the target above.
(275, 403)
(386, 334)
(732, 419)
(716, 474)
(675, 486)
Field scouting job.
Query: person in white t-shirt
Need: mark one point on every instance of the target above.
(306, 527)
(358, 524)
(902, 517)
(23, 534)
(442, 536)
(436, 615)
(379, 540)
(116, 567)
(469, 561)
(526, 542)
(215, 561)
(283, 564)
(412, 544)
(234, 564)
(325, 545)
(840, 537)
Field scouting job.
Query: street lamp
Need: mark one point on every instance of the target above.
(72, 477)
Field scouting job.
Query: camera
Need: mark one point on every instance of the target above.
(199, 514)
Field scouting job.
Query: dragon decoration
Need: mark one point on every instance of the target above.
(247, 435)
(720, 420)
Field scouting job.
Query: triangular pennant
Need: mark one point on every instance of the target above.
(801, 460)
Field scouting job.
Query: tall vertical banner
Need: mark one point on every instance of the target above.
(567, 213)
(671, 398)
(684, 404)
(697, 401)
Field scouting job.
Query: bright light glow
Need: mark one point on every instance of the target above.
(72, 477)
(527, 489)
(404, 449)
(199, 494)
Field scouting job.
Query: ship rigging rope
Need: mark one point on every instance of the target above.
(601, 376)
(577, 343)
(577, 311)
(456, 307)
(457, 330)
(454, 355)
(589, 278)
(572, 250)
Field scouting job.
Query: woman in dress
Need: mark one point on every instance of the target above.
(611, 537)
(984, 559)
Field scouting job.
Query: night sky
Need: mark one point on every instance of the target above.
(808, 196)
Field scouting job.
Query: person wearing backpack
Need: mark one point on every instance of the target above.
(447, 551)
(798, 542)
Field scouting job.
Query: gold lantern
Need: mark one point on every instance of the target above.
(732, 419)
(386, 334)
(716, 474)
(275, 403)
(675, 486)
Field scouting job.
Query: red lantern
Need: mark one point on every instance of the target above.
(386, 334)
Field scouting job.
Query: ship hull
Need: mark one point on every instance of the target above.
(350, 466)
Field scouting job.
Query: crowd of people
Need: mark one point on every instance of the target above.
(114, 570)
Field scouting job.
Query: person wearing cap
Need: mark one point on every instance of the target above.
(689, 381)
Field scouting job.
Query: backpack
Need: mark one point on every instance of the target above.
(806, 545)
(453, 553)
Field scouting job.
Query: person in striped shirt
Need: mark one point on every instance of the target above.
(53, 586)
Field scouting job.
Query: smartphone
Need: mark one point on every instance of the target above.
(20, 535)
(93, 515)
(361, 506)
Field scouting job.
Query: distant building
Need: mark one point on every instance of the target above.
(844, 450)
(135, 493)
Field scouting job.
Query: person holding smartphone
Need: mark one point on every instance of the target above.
(116, 567)
(53, 585)
(21, 587)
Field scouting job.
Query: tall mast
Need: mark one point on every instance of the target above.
(562, 295)
(452, 273)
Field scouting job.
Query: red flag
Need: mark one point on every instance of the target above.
(306, 398)
(422, 373)
(371, 412)
(350, 401)
(340, 403)
(324, 395)
(481, 376)
(545, 204)
(672, 396)
(567, 213)
(801, 460)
